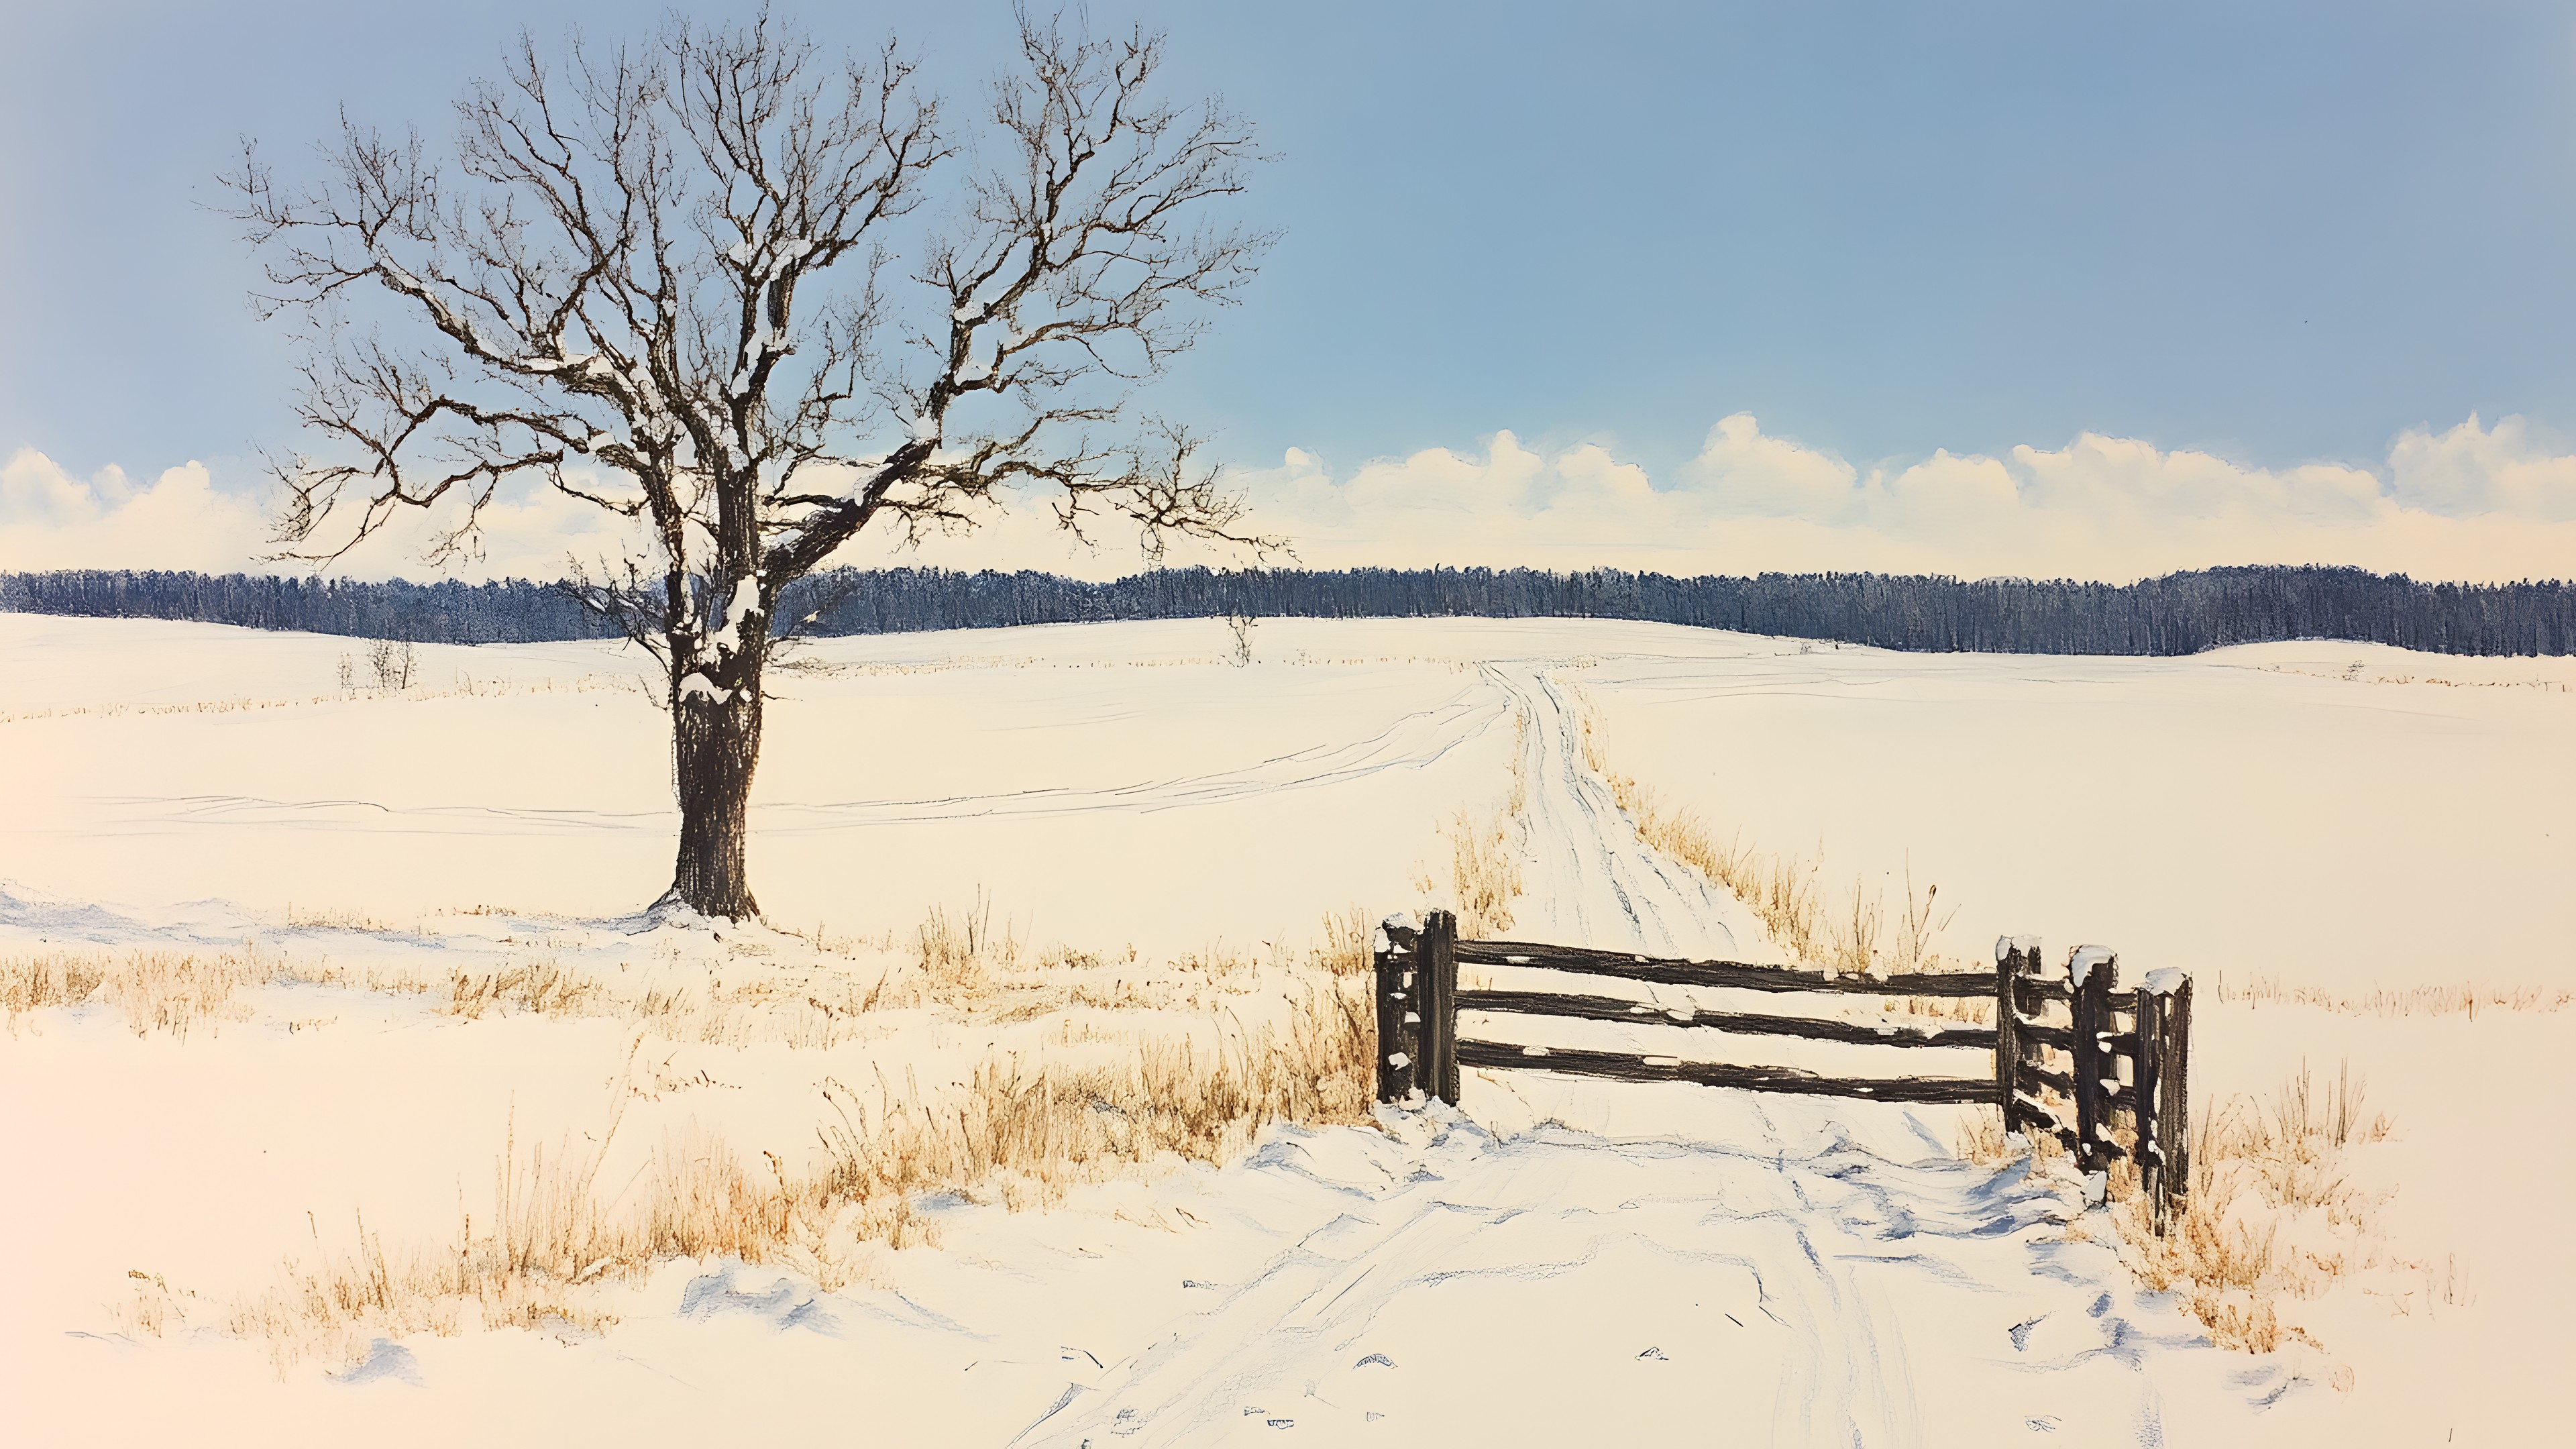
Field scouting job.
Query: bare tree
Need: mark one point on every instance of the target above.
(1240, 626)
(671, 280)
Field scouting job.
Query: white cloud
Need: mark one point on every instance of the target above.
(2470, 503)
(52, 520)
(2473, 502)
(2470, 470)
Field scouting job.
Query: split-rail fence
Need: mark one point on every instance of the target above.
(2072, 1056)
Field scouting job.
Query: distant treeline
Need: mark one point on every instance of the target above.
(2177, 614)
(511, 612)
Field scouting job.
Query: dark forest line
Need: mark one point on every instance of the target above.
(2181, 613)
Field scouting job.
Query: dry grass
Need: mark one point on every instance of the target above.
(335, 918)
(2464, 998)
(1343, 947)
(2272, 1215)
(1849, 935)
(1022, 1132)
(1780, 889)
(533, 986)
(960, 954)
(1027, 1129)
(2352, 674)
(1485, 853)
(1484, 873)
(537, 1261)
(1140, 1064)
(1983, 1141)
(466, 687)
(165, 990)
(177, 991)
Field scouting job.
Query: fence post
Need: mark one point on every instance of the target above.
(2092, 969)
(2163, 1083)
(1398, 956)
(2148, 1082)
(2014, 955)
(1440, 1006)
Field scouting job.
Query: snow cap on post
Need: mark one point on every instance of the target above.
(2006, 945)
(1401, 923)
(2081, 964)
(2164, 981)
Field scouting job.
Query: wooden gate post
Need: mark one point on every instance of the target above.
(1398, 957)
(2015, 957)
(1439, 993)
(2163, 1086)
(2093, 969)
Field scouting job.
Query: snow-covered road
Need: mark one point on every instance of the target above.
(1589, 879)
(1565, 1260)
(1767, 1276)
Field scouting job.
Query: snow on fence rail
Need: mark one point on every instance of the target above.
(2139, 1039)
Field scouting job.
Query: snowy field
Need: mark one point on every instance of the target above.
(1556, 1261)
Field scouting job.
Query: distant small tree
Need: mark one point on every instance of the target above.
(1240, 626)
(394, 662)
(676, 281)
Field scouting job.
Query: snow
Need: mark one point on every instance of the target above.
(697, 686)
(1559, 1259)
(2080, 966)
(1592, 881)
(742, 604)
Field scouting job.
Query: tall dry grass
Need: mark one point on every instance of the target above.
(539, 1260)
(1780, 889)
(154, 989)
(1026, 1129)
(177, 991)
(2273, 1214)
(1485, 854)
(1846, 933)
(336, 918)
(1142, 1063)
(544, 987)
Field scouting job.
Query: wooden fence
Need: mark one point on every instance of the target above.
(2036, 1070)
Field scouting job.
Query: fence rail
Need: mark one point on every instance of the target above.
(2116, 1054)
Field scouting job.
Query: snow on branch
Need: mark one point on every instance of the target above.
(652, 277)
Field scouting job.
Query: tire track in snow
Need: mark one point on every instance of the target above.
(1416, 741)
(1860, 1285)
(1591, 880)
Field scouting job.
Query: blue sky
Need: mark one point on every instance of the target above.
(2275, 234)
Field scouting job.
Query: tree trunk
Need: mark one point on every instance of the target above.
(715, 746)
